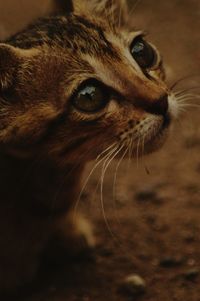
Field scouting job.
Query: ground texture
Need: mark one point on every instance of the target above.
(154, 217)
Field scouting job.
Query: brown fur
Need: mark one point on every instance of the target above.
(45, 143)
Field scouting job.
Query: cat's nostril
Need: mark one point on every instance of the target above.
(160, 107)
(164, 104)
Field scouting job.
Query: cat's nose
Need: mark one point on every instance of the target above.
(160, 106)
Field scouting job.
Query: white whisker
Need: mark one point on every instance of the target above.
(135, 5)
(130, 145)
(105, 167)
(115, 181)
(104, 151)
(189, 105)
(116, 170)
(88, 177)
(137, 152)
(182, 92)
(189, 96)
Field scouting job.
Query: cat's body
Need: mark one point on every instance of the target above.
(50, 128)
(34, 213)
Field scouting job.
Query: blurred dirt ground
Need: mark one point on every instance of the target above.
(155, 213)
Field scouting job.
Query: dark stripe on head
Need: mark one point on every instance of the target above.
(72, 32)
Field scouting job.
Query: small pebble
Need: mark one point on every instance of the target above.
(191, 274)
(191, 262)
(133, 285)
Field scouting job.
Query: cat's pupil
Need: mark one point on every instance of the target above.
(143, 53)
(90, 98)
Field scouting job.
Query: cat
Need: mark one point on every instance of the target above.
(74, 86)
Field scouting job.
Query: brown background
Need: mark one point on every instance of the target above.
(167, 223)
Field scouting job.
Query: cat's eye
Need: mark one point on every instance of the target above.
(143, 53)
(91, 97)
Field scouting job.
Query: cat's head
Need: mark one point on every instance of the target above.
(72, 86)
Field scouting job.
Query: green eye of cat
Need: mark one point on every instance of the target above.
(143, 53)
(91, 97)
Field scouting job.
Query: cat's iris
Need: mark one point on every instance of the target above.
(91, 97)
(143, 53)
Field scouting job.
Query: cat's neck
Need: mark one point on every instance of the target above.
(37, 185)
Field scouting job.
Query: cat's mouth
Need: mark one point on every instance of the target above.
(149, 135)
(157, 135)
(163, 127)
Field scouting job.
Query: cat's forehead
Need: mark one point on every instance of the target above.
(81, 46)
(72, 33)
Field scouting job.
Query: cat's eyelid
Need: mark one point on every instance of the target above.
(93, 81)
(81, 83)
(135, 34)
(158, 58)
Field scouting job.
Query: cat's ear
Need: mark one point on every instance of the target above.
(9, 61)
(115, 10)
(62, 6)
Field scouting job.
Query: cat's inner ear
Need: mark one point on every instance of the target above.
(116, 11)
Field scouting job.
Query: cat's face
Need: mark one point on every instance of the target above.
(74, 86)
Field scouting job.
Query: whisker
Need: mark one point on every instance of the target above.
(143, 143)
(110, 13)
(116, 170)
(88, 177)
(189, 105)
(187, 95)
(133, 139)
(182, 79)
(182, 110)
(137, 152)
(115, 181)
(105, 167)
(187, 100)
(104, 151)
(120, 17)
(130, 145)
(135, 5)
(186, 90)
